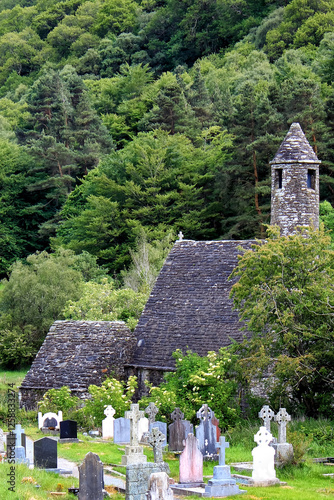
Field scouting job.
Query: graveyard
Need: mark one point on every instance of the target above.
(207, 463)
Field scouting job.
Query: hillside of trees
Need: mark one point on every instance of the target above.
(123, 122)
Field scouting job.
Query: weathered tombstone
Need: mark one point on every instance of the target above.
(206, 432)
(10, 444)
(91, 483)
(137, 479)
(158, 487)
(20, 455)
(222, 484)
(177, 431)
(215, 422)
(29, 447)
(191, 463)
(108, 423)
(49, 420)
(142, 427)
(266, 414)
(283, 450)
(68, 431)
(2, 445)
(121, 430)
(134, 452)
(156, 440)
(151, 411)
(162, 426)
(19, 432)
(45, 453)
(263, 458)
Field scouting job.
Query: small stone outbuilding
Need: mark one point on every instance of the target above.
(78, 354)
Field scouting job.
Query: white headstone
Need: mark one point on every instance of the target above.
(108, 423)
(158, 487)
(2, 446)
(263, 457)
(143, 426)
(43, 420)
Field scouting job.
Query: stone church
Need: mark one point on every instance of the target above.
(189, 307)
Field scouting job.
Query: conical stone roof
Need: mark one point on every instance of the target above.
(295, 148)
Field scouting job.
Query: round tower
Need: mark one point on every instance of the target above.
(295, 183)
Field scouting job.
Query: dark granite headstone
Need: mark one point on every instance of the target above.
(206, 432)
(177, 431)
(91, 478)
(50, 422)
(45, 453)
(68, 429)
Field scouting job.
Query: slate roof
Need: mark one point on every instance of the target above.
(189, 307)
(295, 148)
(80, 353)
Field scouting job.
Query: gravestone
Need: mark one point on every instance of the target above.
(215, 422)
(20, 455)
(137, 479)
(191, 463)
(68, 431)
(29, 448)
(206, 433)
(263, 459)
(177, 431)
(19, 432)
(156, 440)
(10, 444)
(2, 445)
(142, 427)
(91, 483)
(266, 414)
(162, 426)
(49, 419)
(283, 450)
(134, 452)
(121, 430)
(158, 487)
(222, 484)
(151, 411)
(45, 453)
(108, 423)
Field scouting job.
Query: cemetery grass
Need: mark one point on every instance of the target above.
(11, 377)
(26, 480)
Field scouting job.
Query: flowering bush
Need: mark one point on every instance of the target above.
(199, 380)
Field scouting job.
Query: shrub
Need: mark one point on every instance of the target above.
(58, 399)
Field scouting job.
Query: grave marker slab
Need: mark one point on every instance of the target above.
(191, 463)
(158, 487)
(2, 444)
(215, 422)
(177, 431)
(206, 432)
(91, 483)
(156, 440)
(45, 453)
(108, 423)
(68, 430)
(263, 458)
(121, 430)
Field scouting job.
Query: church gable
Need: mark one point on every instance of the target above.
(189, 307)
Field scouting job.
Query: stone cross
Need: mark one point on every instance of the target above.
(18, 434)
(134, 415)
(180, 236)
(155, 439)
(204, 413)
(177, 414)
(109, 411)
(151, 411)
(222, 445)
(282, 418)
(263, 437)
(266, 414)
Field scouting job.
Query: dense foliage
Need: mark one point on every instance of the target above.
(285, 295)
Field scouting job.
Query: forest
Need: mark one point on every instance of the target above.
(123, 122)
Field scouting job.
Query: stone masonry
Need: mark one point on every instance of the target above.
(78, 354)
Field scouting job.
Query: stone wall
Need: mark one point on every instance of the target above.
(78, 354)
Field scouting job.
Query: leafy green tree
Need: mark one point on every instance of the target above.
(285, 295)
(58, 399)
